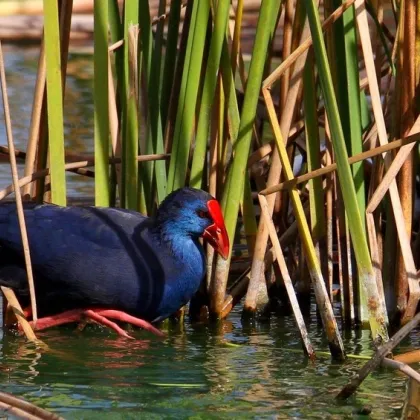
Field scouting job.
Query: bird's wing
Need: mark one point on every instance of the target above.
(55, 232)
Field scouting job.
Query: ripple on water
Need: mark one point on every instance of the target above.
(194, 372)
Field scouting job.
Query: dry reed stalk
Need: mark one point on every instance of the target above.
(18, 312)
(376, 360)
(411, 410)
(72, 166)
(394, 167)
(406, 74)
(286, 278)
(329, 192)
(27, 410)
(296, 129)
(402, 367)
(15, 176)
(321, 295)
(38, 142)
(403, 120)
(379, 50)
(216, 137)
(286, 51)
(298, 59)
(257, 270)
(38, 109)
(114, 127)
(18, 412)
(380, 150)
(305, 44)
(404, 240)
(238, 289)
(345, 267)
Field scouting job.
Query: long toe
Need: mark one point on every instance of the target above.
(102, 320)
(124, 317)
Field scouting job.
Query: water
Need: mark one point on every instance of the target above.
(226, 371)
(232, 370)
(21, 71)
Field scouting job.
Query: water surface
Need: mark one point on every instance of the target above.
(198, 371)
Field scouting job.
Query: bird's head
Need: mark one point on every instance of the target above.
(195, 213)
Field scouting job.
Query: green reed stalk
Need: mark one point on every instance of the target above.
(188, 95)
(102, 185)
(209, 89)
(152, 59)
(233, 191)
(170, 58)
(116, 32)
(353, 116)
(54, 102)
(313, 146)
(233, 122)
(130, 123)
(233, 194)
(376, 311)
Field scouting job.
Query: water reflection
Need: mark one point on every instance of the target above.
(228, 369)
(21, 68)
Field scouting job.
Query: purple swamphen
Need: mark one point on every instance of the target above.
(103, 263)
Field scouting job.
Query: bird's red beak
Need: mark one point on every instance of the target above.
(216, 234)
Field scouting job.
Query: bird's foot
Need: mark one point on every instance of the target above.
(98, 315)
(124, 317)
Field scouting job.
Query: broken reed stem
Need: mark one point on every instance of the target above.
(238, 289)
(326, 311)
(18, 412)
(394, 168)
(376, 360)
(286, 278)
(404, 368)
(331, 168)
(304, 46)
(71, 167)
(298, 56)
(25, 409)
(17, 310)
(15, 177)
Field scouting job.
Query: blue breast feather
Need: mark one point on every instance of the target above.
(84, 256)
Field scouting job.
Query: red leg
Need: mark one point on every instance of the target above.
(124, 317)
(106, 322)
(59, 319)
(96, 314)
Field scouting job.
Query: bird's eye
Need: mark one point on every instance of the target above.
(202, 214)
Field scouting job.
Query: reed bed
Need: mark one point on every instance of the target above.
(311, 151)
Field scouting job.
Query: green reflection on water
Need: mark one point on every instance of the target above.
(193, 374)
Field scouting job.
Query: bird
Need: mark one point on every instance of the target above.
(108, 263)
